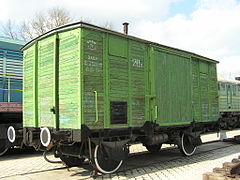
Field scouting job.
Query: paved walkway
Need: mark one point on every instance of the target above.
(167, 164)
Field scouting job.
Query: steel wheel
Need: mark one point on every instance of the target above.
(104, 163)
(3, 151)
(71, 161)
(186, 145)
(154, 148)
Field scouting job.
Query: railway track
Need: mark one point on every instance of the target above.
(139, 163)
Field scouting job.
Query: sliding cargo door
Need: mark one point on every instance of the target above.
(171, 89)
(46, 82)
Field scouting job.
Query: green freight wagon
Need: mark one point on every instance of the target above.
(229, 103)
(90, 92)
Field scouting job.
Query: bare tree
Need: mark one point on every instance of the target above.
(39, 24)
(9, 29)
(107, 25)
(25, 31)
(43, 22)
(58, 17)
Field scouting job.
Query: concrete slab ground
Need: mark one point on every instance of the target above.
(167, 164)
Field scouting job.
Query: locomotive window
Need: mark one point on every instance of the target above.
(223, 86)
(118, 112)
(234, 89)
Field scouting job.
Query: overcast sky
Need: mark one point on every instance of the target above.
(207, 27)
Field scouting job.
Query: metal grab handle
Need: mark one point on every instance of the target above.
(96, 105)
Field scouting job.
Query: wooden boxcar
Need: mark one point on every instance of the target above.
(90, 92)
(10, 89)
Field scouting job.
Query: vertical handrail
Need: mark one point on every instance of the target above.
(96, 105)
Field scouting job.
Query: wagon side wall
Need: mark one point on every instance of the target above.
(115, 81)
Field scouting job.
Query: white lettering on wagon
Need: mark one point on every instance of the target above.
(137, 63)
(91, 44)
(91, 57)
